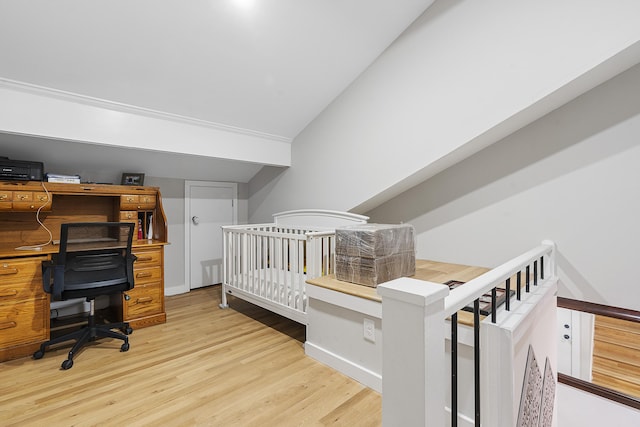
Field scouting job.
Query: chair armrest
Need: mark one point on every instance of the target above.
(55, 286)
(131, 258)
(47, 266)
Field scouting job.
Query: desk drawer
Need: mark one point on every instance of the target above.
(6, 200)
(137, 201)
(18, 273)
(30, 201)
(144, 300)
(19, 291)
(23, 322)
(148, 258)
(129, 216)
(146, 275)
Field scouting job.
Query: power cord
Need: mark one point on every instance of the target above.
(41, 245)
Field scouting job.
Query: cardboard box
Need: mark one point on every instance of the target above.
(373, 271)
(370, 254)
(374, 240)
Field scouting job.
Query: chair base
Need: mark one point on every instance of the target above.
(89, 333)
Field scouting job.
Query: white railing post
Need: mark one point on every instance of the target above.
(553, 269)
(413, 351)
(225, 267)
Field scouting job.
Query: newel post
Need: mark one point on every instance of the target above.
(413, 353)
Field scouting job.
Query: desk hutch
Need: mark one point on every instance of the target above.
(24, 306)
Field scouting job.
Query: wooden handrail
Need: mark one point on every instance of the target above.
(600, 309)
(598, 390)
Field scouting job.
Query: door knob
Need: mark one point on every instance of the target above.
(195, 220)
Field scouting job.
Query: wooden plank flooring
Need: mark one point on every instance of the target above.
(616, 364)
(242, 366)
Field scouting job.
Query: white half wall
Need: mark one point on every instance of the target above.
(463, 76)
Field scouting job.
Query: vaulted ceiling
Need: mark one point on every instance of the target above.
(263, 66)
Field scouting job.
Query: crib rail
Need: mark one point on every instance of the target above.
(268, 264)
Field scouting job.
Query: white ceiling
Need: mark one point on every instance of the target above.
(268, 66)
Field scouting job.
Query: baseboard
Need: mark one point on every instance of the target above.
(359, 373)
(176, 290)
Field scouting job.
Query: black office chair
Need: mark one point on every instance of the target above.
(94, 259)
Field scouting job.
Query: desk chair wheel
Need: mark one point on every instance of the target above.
(67, 364)
(124, 347)
(127, 331)
(38, 354)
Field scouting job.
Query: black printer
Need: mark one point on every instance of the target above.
(20, 170)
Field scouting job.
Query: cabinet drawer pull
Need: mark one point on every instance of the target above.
(143, 274)
(144, 300)
(5, 271)
(8, 325)
(8, 293)
(144, 258)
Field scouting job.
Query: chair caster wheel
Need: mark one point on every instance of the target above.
(128, 331)
(67, 364)
(125, 347)
(38, 354)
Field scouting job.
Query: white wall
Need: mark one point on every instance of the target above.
(464, 75)
(32, 110)
(578, 408)
(571, 176)
(172, 191)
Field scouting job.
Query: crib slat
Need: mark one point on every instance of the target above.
(272, 262)
(271, 268)
(301, 276)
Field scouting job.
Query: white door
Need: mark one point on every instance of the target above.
(208, 206)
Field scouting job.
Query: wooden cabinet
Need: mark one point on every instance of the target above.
(137, 201)
(24, 201)
(144, 304)
(139, 209)
(6, 200)
(24, 306)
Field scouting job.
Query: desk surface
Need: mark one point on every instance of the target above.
(8, 249)
(432, 271)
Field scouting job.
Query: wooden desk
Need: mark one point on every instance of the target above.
(24, 306)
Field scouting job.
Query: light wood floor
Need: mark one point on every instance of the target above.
(616, 364)
(205, 367)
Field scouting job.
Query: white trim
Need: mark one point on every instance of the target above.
(359, 373)
(313, 216)
(350, 302)
(186, 287)
(112, 105)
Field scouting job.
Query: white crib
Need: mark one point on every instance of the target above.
(268, 264)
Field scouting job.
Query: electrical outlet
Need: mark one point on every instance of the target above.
(369, 330)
